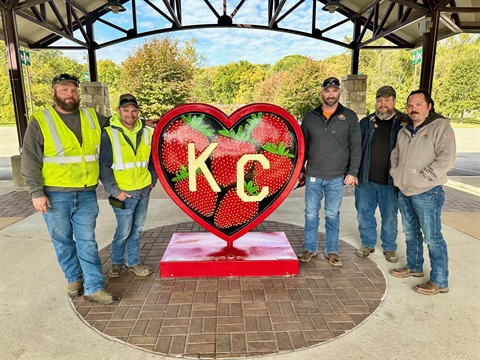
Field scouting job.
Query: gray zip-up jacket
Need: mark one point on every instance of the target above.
(333, 148)
(420, 161)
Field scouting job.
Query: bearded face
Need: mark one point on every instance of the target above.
(385, 107)
(66, 97)
(330, 95)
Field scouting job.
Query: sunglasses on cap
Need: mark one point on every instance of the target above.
(331, 82)
(65, 77)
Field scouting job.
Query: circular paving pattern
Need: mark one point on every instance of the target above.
(236, 316)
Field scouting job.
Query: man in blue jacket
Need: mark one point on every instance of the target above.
(375, 185)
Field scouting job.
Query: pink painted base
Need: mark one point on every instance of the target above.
(206, 255)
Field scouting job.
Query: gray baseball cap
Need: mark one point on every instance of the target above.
(386, 91)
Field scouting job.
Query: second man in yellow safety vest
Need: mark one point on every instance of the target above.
(128, 175)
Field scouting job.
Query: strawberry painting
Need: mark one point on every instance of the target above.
(232, 145)
(176, 137)
(280, 168)
(203, 200)
(269, 128)
(233, 211)
(264, 138)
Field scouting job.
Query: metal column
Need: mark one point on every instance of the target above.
(15, 71)
(92, 55)
(355, 51)
(429, 48)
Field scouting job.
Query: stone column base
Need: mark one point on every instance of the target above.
(354, 94)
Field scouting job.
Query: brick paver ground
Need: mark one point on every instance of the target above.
(19, 204)
(236, 316)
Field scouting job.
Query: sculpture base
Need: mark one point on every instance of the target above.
(206, 255)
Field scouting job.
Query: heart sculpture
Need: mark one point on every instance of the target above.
(228, 173)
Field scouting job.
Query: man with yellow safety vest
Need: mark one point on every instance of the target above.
(128, 175)
(61, 169)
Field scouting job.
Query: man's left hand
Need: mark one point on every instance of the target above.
(350, 180)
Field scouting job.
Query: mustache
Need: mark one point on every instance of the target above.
(414, 112)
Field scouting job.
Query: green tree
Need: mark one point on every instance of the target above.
(457, 82)
(203, 85)
(109, 73)
(299, 90)
(6, 103)
(160, 73)
(236, 82)
(287, 63)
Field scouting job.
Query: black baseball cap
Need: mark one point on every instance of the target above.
(126, 99)
(386, 91)
(64, 78)
(331, 81)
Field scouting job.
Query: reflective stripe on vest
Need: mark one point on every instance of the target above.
(60, 159)
(68, 163)
(130, 167)
(117, 149)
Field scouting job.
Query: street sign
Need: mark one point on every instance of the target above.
(86, 76)
(417, 56)
(25, 57)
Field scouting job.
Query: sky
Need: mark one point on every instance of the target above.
(221, 46)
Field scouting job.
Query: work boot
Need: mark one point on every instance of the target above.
(115, 271)
(102, 297)
(405, 272)
(364, 251)
(140, 270)
(306, 256)
(391, 256)
(75, 289)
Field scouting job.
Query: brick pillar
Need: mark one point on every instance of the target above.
(354, 94)
(95, 95)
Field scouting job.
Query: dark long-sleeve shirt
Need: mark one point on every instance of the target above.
(332, 147)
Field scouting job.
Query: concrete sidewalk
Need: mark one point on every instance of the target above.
(38, 321)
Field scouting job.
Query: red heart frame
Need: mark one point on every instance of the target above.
(227, 122)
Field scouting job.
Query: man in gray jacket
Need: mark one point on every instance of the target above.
(424, 153)
(332, 153)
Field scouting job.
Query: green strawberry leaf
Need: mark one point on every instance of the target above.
(239, 135)
(196, 122)
(183, 173)
(253, 122)
(250, 188)
(277, 149)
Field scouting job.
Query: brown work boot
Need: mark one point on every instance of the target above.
(430, 288)
(306, 256)
(405, 272)
(75, 289)
(102, 297)
(140, 270)
(391, 256)
(333, 260)
(364, 251)
(115, 271)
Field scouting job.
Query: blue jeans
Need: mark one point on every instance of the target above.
(421, 214)
(367, 197)
(315, 188)
(71, 224)
(130, 221)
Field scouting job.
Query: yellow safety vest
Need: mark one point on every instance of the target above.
(130, 168)
(66, 163)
